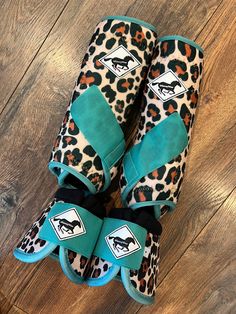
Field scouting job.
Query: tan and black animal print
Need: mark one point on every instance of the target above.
(185, 60)
(31, 243)
(98, 268)
(71, 147)
(145, 279)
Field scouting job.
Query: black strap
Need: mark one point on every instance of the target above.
(143, 217)
(90, 202)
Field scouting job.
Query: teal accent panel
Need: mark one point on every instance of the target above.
(160, 145)
(115, 243)
(93, 115)
(80, 239)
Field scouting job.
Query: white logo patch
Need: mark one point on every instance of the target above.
(67, 224)
(120, 61)
(122, 242)
(167, 86)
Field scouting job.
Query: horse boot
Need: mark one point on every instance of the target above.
(127, 247)
(152, 170)
(68, 217)
(91, 141)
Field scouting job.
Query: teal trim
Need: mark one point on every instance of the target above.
(105, 250)
(60, 175)
(156, 205)
(134, 293)
(152, 203)
(107, 176)
(66, 267)
(103, 132)
(183, 39)
(34, 257)
(61, 179)
(131, 20)
(84, 242)
(67, 169)
(160, 145)
(101, 281)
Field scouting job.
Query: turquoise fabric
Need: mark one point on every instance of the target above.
(83, 243)
(93, 115)
(131, 260)
(34, 257)
(161, 144)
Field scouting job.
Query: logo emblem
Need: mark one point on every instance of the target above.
(68, 224)
(122, 242)
(167, 86)
(120, 61)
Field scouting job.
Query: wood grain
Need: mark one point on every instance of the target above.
(23, 28)
(15, 310)
(203, 280)
(30, 123)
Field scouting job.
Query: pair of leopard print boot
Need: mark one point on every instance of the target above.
(125, 65)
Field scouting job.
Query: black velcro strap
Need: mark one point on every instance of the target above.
(90, 202)
(142, 217)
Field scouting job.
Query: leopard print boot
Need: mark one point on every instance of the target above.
(91, 143)
(153, 169)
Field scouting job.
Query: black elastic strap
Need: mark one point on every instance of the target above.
(90, 202)
(142, 217)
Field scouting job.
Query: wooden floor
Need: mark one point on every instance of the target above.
(42, 45)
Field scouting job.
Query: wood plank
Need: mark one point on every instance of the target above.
(203, 280)
(24, 25)
(5, 304)
(47, 86)
(15, 310)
